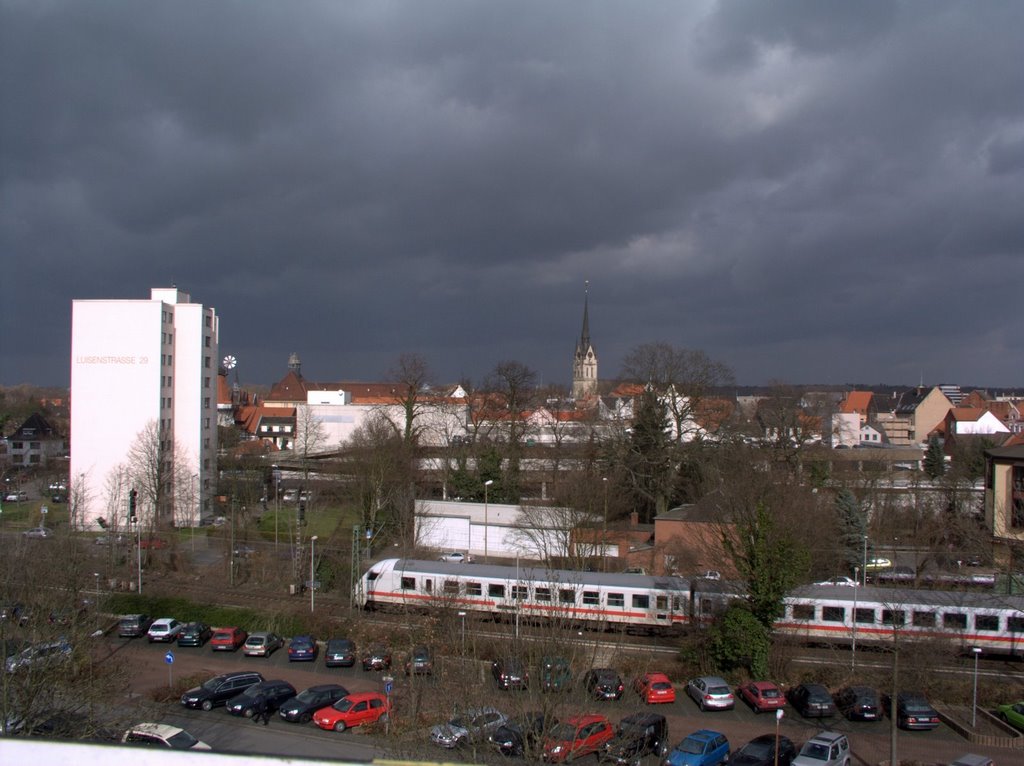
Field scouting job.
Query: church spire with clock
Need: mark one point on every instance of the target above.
(584, 363)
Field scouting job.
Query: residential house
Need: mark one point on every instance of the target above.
(35, 444)
(1004, 503)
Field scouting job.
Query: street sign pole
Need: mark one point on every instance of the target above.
(169, 659)
(388, 684)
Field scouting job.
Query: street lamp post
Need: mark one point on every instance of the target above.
(463, 616)
(778, 720)
(604, 533)
(194, 500)
(97, 576)
(974, 706)
(312, 573)
(487, 484)
(864, 570)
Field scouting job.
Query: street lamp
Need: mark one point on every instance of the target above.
(853, 624)
(487, 483)
(604, 534)
(864, 571)
(97, 576)
(974, 707)
(463, 616)
(312, 572)
(778, 720)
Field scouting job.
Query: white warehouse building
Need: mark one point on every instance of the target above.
(142, 367)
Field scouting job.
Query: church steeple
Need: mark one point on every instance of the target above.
(584, 363)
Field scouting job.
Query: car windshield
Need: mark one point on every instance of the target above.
(343, 705)
(691, 745)
(719, 690)
(563, 732)
(182, 740)
(917, 706)
(770, 693)
(301, 643)
(757, 749)
(627, 729)
(816, 751)
(307, 696)
(253, 690)
(213, 683)
(221, 636)
(255, 640)
(661, 685)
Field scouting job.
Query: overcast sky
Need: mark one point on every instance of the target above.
(809, 191)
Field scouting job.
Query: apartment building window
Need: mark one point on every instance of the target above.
(206, 362)
(206, 341)
(209, 321)
(206, 422)
(206, 402)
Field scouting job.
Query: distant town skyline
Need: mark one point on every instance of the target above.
(808, 192)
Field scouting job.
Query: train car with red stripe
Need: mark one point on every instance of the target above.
(597, 600)
(963, 620)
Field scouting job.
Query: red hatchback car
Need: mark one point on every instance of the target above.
(227, 639)
(576, 737)
(654, 688)
(352, 710)
(762, 696)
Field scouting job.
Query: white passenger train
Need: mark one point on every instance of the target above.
(962, 619)
(641, 603)
(598, 600)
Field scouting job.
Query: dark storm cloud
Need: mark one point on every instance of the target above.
(808, 191)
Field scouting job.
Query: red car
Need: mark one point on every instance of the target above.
(227, 639)
(352, 710)
(762, 696)
(576, 737)
(654, 688)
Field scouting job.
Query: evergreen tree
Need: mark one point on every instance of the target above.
(934, 460)
(649, 458)
(853, 528)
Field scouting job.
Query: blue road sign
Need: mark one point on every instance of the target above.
(169, 658)
(387, 688)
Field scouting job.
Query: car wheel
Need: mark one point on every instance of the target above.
(248, 712)
(207, 705)
(340, 726)
(305, 718)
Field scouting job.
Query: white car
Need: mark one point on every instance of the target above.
(841, 581)
(164, 629)
(456, 557)
(18, 496)
(162, 735)
(826, 748)
(38, 533)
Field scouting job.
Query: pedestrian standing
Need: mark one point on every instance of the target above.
(261, 710)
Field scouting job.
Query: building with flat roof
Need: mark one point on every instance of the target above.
(143, 375)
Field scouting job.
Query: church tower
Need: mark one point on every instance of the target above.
(584, 363)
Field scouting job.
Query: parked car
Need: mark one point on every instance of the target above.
(166, 630)
(762, 696)
(352, 710)
(826, 748)
(194, 634)
(654, 688)
(510, 673)
(456, 557)
(377, 657)
(340, 652)
(473, 725)
(38, 533)
(913, 711)
(262, 643)
(303, 649)
(420, 661)
(701, 748)
(300, 708)
(555, 674)
(603, 684)
(227, 639)
(711, 693)
(766, 750)
(41, 655)
(219, 689)
(110, 539)
(1012, 713)
(162, 735)
(134, 625)
(519, 737)
(274, 693)
(812, 701)
(576, 737)
(874, 564)
(846, 582)
(14, 612)
(636, 737)
(858, 703)
(16, 496)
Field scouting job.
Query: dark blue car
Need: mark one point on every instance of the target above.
(702, 748)
(303, 649)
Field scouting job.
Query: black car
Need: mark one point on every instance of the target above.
(377, 658)
(134, 625)
(301, 707)
(760, 751)
(510, 673)
(340, 652)
(555, 674)
(420, 661)
(523, 734)
(603, 684)
(812, 701)
(194, 634)
(859, 703)
(220, 689)
(636, 736)
(913, 711)
(276, 693)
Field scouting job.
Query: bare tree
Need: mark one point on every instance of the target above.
(412, 375)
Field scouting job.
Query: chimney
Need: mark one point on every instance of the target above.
(634, 520)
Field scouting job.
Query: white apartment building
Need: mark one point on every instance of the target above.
(139, 365)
